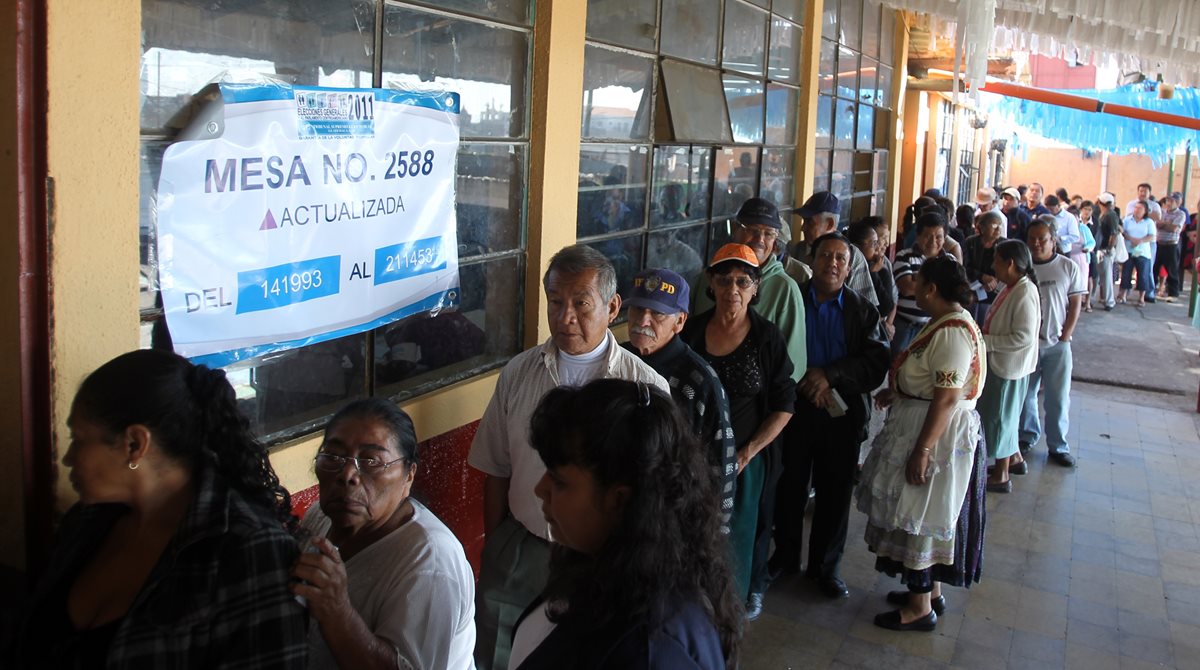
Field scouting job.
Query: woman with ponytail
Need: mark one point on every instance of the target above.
(178, 551)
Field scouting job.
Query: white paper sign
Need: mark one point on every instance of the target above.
(317, 213)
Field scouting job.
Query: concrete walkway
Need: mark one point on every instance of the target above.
(1094, 567)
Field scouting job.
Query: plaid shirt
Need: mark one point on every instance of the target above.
(217, 598)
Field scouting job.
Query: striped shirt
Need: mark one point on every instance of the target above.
(907, 263)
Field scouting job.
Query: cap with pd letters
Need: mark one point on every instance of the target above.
(659, 290)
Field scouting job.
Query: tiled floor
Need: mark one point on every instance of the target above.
(1096, 567)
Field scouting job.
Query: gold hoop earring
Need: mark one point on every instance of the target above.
(133, 466)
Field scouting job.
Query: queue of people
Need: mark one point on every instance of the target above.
(639, 500)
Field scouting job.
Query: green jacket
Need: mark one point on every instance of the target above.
(779, 301)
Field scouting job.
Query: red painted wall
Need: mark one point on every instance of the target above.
(446, 485)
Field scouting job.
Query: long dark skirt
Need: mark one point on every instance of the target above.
(968, 540)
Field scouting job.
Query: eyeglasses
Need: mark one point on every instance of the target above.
(333, 464)
(767, 234)
(725, 281)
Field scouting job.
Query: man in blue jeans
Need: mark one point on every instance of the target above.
(1062, 290)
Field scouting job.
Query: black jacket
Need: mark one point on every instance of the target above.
(866, 362)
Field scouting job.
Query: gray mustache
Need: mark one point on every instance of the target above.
(638, 330)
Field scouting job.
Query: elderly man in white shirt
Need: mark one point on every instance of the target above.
(581, 302)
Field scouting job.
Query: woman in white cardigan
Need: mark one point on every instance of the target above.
(1011, 335)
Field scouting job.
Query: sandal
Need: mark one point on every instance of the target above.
(1087, 308)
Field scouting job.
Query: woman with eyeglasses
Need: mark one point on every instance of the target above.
(387, 584)
(750, 357)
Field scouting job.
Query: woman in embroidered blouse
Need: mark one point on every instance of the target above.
(921, 486)
(177, 553)
(1011, 334)
(749, 356)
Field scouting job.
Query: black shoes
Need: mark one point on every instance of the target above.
(1000, 487)
(1021, 468)
(901, 598)
(891, 621)
(1064, 459)
(834, 588)
(754, 606)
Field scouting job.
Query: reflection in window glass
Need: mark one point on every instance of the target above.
(782, 106)
(745, 100)
(843, 124)
(829, 20)
(824, 135)
(688, 29)
(864, 176)
(735, 174)
(509, 11)
(883, 95)
(678, 249)
(828, 67)
(866, 127)
(490, 198)
(822, 164)
(483, 333)
(851, 25)
(720, 233)
(696, 98)
(295, 390)
(887, 35)
(625, 253)
(612, 188)
(784, 56)
(778, 168)
(616, 94)
(847, 78)
(870, 29)
(867, 74)
(881, 163)
(629, 23)
(486, 64)
(745, 40)
(682, 181)
(841, 174)
(789, 9)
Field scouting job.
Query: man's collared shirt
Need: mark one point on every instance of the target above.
(826, 330)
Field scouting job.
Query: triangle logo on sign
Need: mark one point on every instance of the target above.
(268, 222)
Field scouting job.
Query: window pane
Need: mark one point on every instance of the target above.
(186, 45)
(491, 197)
(828, 67)
(883, 87)
(616, 94)
(296, 390)
(841, 174)
(782, 110)
(745, 38)
(682, 182)
(510, 11)
(487, 65)
(821, 167)
(887, 35)
(612, 188)
(843, 124)
(867, 76)
(736, 177)
(777, 182)
(847, 77)
(484, 332)
(720, 233)
(784, 64)
(870, 29)
(789, 9)
(829, 20)
(679, 249)
(881, 170)
(696, 98)
(824, 121)
(689, 29)
(851, 25)
(629, 23)
(625, 253)
(745, 99)
(864, 172)
(866, 127)
(883, 128)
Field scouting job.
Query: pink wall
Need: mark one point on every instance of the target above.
(1071, 170)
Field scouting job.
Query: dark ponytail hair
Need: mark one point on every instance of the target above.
(912, 211)
(1017, 252)
(949, 278)
(667, 544)
(192, 412)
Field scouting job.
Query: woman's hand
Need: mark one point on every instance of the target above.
(324, 582)
(884, 398)
(918, 465)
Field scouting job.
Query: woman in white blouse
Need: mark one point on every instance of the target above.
(1010, 332)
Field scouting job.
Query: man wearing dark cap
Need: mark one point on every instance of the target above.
(757, 226)
(658, 308)
(821, 214)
